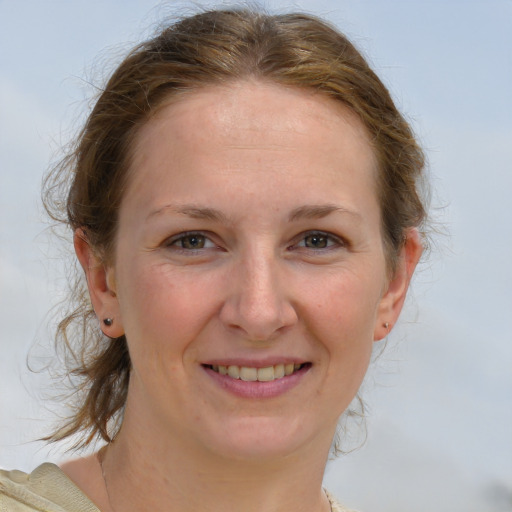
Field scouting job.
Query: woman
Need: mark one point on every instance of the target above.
(244, 203)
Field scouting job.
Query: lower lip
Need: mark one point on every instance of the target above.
(258, 389)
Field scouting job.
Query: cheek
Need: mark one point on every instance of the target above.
(343, 322)
(162, 314)
(346, 305)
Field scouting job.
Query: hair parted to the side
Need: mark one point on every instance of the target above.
(214, 47)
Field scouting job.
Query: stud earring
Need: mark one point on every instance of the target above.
(108, 321)
(386, 325)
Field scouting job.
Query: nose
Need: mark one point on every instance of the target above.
(258, 302)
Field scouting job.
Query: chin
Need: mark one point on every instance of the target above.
(264, 439)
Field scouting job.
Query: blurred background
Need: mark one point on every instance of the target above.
(440, 396)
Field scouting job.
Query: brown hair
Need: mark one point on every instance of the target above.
(213, 47)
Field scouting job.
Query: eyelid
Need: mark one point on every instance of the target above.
(172, 240)
(334, 241)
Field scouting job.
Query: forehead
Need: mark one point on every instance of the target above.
(251, 131)
(242, 107)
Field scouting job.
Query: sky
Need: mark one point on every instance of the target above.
(440, 395)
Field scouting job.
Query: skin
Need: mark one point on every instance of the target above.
(249, 234)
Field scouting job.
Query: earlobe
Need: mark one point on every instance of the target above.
(101, 285)
(393, 299)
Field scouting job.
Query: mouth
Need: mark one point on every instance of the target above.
(253, 374)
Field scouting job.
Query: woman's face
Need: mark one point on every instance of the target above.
(249, 243)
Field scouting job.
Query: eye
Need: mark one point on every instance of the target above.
(191, 242)
(316, 241)
(319, 240)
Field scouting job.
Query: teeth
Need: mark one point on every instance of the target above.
(266, 374)
(251, 374)
(234, 372)
(279, 371)
(248, 374)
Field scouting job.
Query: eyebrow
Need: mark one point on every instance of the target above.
(192, 211)
(302, 212)
(319, 211)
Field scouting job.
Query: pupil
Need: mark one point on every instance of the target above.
(316, 241)
(193, 242)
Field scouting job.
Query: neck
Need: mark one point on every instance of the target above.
(147, 471)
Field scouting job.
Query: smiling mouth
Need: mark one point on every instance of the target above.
(251, 374)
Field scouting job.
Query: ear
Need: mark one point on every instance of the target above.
(101, 285)
(393, 299)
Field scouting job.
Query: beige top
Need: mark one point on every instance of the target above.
(48, 489)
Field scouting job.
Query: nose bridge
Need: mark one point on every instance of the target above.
(258, 304)
(261, 279)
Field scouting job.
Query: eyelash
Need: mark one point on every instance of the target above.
(331, 241)
(174, 241)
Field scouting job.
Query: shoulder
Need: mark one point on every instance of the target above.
(335, 505)
(46, 488)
